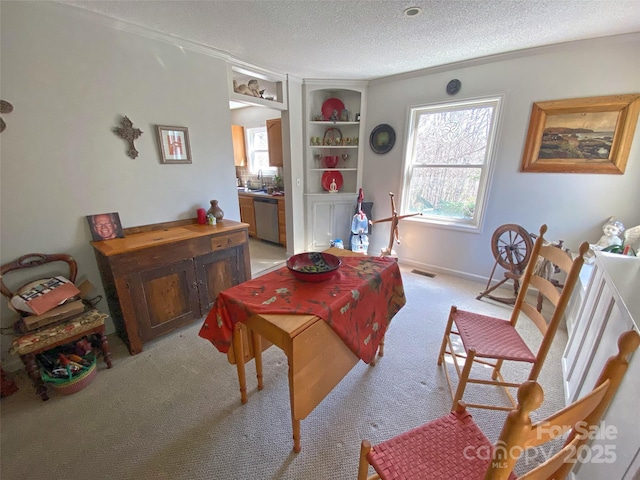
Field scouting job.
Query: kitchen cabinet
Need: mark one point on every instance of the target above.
(610, 307)
(282, 222)
(329, 214)
(248, 213)
(239, 149)
(165, 276)
(274, 139)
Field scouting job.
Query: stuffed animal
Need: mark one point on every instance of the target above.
(251, 88)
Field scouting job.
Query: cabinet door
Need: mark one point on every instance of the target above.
(216, 272)
(165, 298)
(274, 137)
(329, 220)
(248, 214)
(282, 223)
(239, 152)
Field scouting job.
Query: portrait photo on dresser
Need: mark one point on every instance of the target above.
(105, 226)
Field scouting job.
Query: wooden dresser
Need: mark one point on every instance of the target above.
(165, 276)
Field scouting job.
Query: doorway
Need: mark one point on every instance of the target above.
(265, 256)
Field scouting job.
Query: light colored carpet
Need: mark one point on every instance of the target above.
(174, 412)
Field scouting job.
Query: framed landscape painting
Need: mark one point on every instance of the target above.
(581, 135)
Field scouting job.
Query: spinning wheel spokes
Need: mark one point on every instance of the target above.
(511, 246)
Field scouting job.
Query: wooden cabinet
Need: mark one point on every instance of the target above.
(248, 213)
(239, 149)
(610, 307)
(274, 138)
(282, 222)
(160, 279)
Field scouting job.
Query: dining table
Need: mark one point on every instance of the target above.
(324, 328)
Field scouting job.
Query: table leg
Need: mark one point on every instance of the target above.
(257, 352)
(381, 348)
(29, 361)
(296, 434)
(238, 351)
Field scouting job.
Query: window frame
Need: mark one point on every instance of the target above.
(269, 171)
(413, 112)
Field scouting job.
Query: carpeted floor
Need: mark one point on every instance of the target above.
(173, 411)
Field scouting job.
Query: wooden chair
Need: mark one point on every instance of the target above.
(454, 448)
(29, 344)
(490, 341)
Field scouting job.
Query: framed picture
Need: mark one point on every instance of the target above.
(174, 144)
(581, 135)
(105, 226)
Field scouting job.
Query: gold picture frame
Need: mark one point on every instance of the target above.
(581, 135)
(174, 144)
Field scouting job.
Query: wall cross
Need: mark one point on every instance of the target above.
(129, 134)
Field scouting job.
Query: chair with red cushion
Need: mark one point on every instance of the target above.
(483, 340)
(454, 448)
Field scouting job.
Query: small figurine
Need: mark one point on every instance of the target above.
(334, 116)
(252, 88)
(611, 230)
(333, 188)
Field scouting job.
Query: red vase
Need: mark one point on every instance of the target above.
(331, 161)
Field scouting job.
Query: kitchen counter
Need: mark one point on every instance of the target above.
(250, 193)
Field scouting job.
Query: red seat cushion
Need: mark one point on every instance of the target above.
(451, 447)
(491, 337)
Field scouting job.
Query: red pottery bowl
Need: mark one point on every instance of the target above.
(331, 161)
(313, 266)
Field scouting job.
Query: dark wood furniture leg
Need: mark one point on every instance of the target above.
(29, 361)
(104, 346)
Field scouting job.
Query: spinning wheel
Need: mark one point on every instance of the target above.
(511, 246)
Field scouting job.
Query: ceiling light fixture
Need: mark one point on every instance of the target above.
(412, 12)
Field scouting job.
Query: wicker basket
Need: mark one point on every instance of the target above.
(67, 386)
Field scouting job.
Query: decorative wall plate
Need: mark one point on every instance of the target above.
(332, 181)
(453, 86)
(382, 138)
(329, 106)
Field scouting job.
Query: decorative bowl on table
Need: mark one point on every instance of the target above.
(313, 266)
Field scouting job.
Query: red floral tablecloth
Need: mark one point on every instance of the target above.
(358, 302)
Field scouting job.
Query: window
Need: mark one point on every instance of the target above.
(448, 160)
(258, 151)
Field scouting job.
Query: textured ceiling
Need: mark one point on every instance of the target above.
(366, 39)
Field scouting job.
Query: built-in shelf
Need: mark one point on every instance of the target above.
(274, 86)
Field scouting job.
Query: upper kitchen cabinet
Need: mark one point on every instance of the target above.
(274, 139)
(239, 150)
(254, 86)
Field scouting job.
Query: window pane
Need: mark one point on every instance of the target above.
(444, 192)
(455, 137)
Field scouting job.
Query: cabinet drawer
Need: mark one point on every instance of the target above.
(230, 240)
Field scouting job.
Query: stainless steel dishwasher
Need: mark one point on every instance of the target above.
(266, 210)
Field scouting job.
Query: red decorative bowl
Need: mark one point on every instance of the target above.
(331, 161)
(313, 266)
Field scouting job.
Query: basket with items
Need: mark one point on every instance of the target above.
(69, 368)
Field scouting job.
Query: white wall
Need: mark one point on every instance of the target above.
(574, 206)
(251, 117)
(69, 80)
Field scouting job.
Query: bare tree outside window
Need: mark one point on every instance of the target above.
(448, 159)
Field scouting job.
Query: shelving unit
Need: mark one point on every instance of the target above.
(329, 214)
(274, 87)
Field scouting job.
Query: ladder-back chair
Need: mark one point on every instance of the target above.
(454, 448)
(490, 341)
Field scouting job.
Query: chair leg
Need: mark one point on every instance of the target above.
(447, 332)
(363, 466)
(462, 381)
(496, 370)
(29, 361)
(104, 346)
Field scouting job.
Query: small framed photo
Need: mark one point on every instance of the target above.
(105, 226)
(174, 144)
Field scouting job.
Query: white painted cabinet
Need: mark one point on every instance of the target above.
(333, 155)
(611, 306)
(329, 219)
